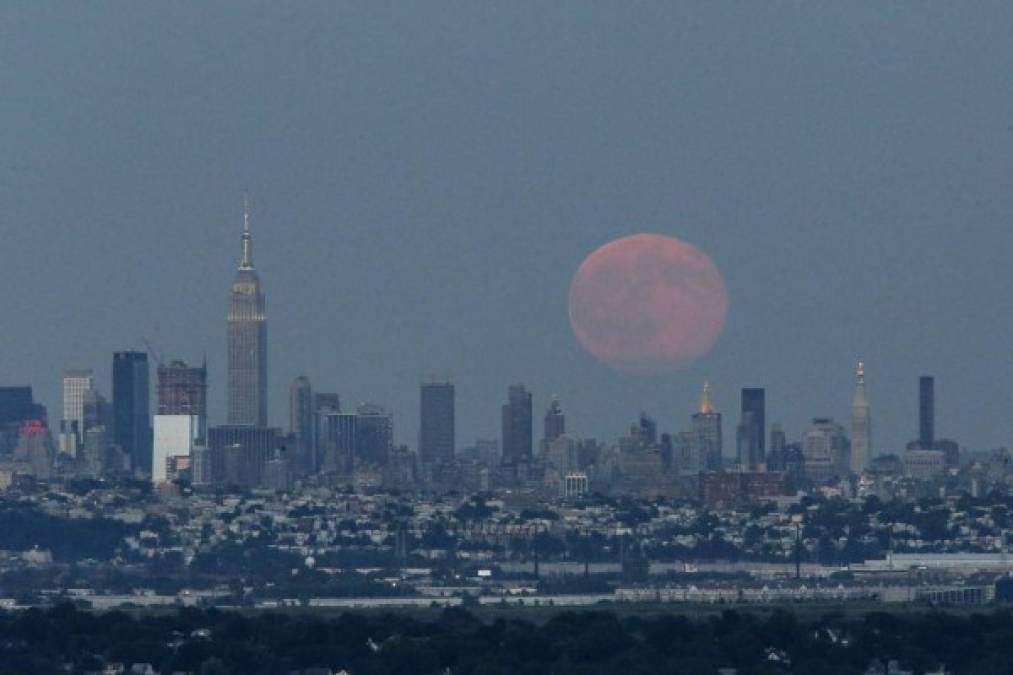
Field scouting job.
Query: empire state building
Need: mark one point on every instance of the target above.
(247, 341)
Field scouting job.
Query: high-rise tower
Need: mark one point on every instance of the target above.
(707, 431)
(75, 384)
(247, 340)
(183, 390)
(436, 419)
(861, 425)
(132, 409)
(555, 422)
(517, 430)
(752, 430)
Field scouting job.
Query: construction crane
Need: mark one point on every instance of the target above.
(151, 351)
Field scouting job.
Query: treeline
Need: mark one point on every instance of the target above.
(25, 527)
(207, 642)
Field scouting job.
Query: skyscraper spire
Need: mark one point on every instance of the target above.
(247, 260)
(706, 404)
(861, 425)
(859, 398)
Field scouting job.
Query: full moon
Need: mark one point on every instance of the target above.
(648, 303)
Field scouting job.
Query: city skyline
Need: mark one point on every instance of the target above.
(423, 209)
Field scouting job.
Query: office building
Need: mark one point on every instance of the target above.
(76, 385)
(301, 426)
(826, 451)
(517, 426)
(239, 452)
(340, 436)
(17, 405)
(926, 411)
(174, 436)
(183, 390)
(34, 451)
(861, 425)
(707, 431)
(754, 416)
(132, 410)
(247, 341)
(324, 403)
(300, 409)
(436, 419)
(555, 422)
(374, 434)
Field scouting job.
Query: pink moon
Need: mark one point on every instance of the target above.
(648, 303)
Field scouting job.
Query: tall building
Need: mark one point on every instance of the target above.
(517, 426)
(76, 384)
(341, 431)
(183, 390)
(707, 431)
(239, 453)
(861, 425)
(374, 434)
(926, 411)
(174, 437)
(324, 403)
(301, 425)
(753, 422)
(555, 422)
(247, 341)
(436, 419)
(16, 407)
(300, 408)
(132, 409)
(825, 448)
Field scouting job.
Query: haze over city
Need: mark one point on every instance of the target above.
(425, 181)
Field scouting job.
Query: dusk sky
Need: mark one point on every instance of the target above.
(427, 177)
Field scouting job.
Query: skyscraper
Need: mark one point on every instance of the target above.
(754, 419)
(247, 341)
(926, 411)
(76, 383)
(555, 422)
(131, 409)
(341, 432)
(517, 426)
(861, 425)
(183, 390)
(300, 425)
(374, 434)
(707, 431)
(436, 419)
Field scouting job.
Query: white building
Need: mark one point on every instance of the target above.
(174, 437)
(76, 384)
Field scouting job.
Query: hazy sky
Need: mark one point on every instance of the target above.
(426, 177)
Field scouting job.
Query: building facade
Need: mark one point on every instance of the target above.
(76, 385)
(555, 422)
(183, 390)
(861, 425)
(707, 432)
(517, 426)
(174, 436)
(436, 419)
(132, 409)
(753, 426)
(247, 341)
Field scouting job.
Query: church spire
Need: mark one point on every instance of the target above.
(706, 404)
(247, 260)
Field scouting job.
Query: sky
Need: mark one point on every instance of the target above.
(426, 178)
